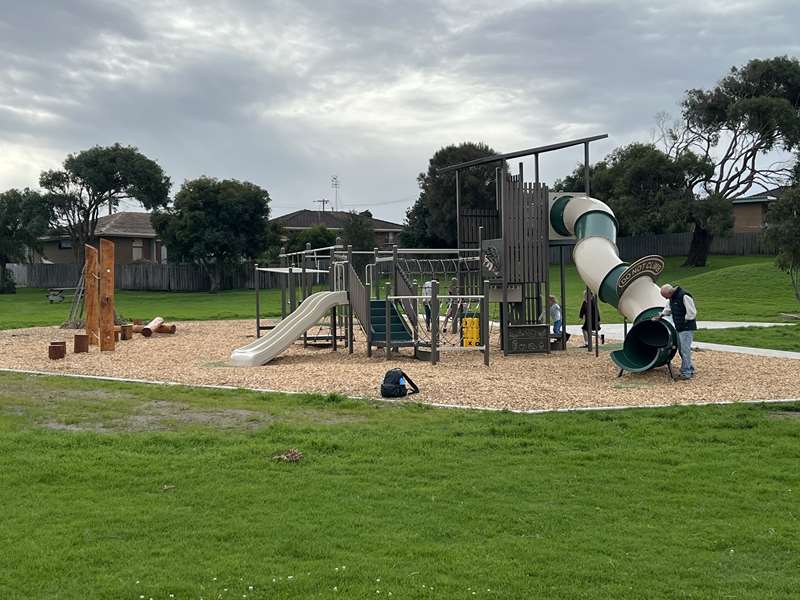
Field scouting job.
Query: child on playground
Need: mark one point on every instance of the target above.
(427, 292)
(555, 315)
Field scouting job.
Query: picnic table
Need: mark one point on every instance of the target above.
(57, 294)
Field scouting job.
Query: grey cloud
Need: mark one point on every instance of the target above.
(286, 94)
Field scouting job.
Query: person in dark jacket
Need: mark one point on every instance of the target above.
(590, 312)
(681, 307)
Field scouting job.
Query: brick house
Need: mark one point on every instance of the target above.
(386, 232)
(750, 212)
(132, 233)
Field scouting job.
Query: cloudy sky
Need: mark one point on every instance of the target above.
(286, 94)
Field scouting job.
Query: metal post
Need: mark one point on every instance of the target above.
(485, 322)
(306, 276)
(304, 288)
(388, 316)
(368, 324)
(596, 315)
(258, 300)
(458, 211)
(586, 168)
(547, 312)
(536, 167)
(434, 321)
(394, 269)
(332, 287)
(624, 327)
(283, 284)
(563, 298)
(415, 320)
(350, 300)
(481, 255)
(376, 284)
(292, 295)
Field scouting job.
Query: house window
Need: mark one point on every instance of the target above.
(137, 249)
(65, 244)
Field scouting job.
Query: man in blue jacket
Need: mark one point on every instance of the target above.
(684, 316)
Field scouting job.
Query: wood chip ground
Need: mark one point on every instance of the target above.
(198, 354)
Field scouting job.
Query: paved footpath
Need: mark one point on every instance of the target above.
(615, 331)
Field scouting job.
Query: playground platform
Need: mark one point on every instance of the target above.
(199, 354)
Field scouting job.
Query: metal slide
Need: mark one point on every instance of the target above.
(310, 311)
(631, 289)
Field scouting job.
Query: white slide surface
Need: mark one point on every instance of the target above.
(310, 311)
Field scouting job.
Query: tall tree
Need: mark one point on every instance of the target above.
(783, 232)
(753, 110)
(215, 224)
(431, 222)
(358, 231)
(97, 179)
(648, 190)
(318, 236)
(24, 218)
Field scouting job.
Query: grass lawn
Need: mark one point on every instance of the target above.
(131, 491)
(776, 338)
(729, 288)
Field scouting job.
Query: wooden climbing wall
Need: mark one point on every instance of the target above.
(107, 342)
(91, 294)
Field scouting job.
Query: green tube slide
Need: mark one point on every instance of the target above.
(629, 288)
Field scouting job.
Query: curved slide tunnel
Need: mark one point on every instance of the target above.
(631, 289)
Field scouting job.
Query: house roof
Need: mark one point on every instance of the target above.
(121, 224)
(761, 197)
(332, 219)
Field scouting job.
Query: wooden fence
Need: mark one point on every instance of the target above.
(677, 244)
(157, 277)
(192, 278)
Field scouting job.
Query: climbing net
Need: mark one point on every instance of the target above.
(459, 321)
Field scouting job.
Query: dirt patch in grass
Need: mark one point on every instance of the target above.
(162, 415)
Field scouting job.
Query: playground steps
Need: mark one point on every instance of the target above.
(400, 335)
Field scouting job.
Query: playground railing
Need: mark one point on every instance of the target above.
(359, 301)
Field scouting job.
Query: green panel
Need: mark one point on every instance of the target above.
(557, 215)
(649, 344)
(648, 314)
(596, 223)
(608, 288)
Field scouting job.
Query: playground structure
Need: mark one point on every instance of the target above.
(502, 257)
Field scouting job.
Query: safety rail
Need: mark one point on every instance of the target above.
(359, 303)
(410, 307)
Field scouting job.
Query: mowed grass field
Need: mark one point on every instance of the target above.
(729, 288)
(133, 491)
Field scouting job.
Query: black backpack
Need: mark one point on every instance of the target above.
(394, 384)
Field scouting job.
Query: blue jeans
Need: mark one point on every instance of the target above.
(557, 327)
(685, 350)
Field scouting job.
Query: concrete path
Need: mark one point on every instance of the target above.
(615, 331)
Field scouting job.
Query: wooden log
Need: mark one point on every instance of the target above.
(152, 327)
(164, 328)
(107, 341)
(126, 332)
(80, 343)
(137, 328)
(116, 336)
(92, 297)
(57, 350)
